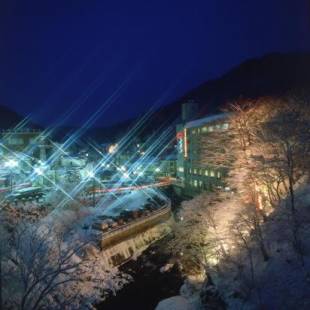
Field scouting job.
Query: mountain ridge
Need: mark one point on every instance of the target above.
(275, 74)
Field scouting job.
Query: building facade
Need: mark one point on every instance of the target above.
(194, 173)
(29, 142)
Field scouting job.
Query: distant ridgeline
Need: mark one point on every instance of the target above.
(272, 75)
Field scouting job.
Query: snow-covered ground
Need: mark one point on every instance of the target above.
(109, 205)
(175, 303)
(130, 201)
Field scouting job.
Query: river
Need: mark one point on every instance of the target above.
(149, 285)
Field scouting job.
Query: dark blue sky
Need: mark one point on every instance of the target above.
(78, 56)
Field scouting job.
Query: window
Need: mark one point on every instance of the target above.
(204, 129)
(211, 128)
(195, 183)
(212, 173)
(181, 169)
(193, 131)
(200, 183)
(218, 126)
(195, 171)
(218, 175)
(190, 170)
(16, 141)
(207, 172)
(225, 126)
(185, 143)
(198, 130)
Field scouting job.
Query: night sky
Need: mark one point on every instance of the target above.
(123, 56)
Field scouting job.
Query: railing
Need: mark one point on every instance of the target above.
(136, 222)
(17, 186)
(129, 188)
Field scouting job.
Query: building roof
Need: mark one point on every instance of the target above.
(205, 120)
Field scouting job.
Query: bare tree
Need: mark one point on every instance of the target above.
(190, 230)
(271, 145)
(283, 143)
(38, 268)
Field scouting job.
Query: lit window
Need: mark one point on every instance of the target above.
(218, 174)
(212, 173)
(195, 183)
(204, 129)
(211, 128)
(195, 171)
(181, 169)
(207, 172)
(218, 126)
(190, 170)
(200, 183)
(185, 143)
(225, 126)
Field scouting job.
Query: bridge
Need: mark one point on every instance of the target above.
(119, 244)
(162, 183)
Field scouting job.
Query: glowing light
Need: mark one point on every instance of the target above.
(112, 148)
(126, 175)
(39, 170)
(260, 202)
(213, 261)
(157, 170)
(90, 174)
(11, 163)
(185, 143)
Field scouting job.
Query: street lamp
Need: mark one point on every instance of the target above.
(38, 170)
(90, 174)
(126, 175)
